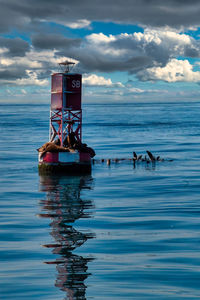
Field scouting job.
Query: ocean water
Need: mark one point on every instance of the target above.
(123, 232)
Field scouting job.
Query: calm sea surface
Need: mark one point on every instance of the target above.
(121, 233)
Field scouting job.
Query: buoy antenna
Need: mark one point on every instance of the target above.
(66, 66)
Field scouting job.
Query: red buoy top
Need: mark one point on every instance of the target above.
(66, 91)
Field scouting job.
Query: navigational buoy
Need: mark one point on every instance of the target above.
(65, 151)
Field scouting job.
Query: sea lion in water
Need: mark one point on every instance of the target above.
(134, 156)
(152, 158)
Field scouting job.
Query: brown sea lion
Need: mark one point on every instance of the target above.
(70, 140)
(85, 149)
(51, 147)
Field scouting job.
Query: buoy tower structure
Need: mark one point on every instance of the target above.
(65, 112)
(65, 119)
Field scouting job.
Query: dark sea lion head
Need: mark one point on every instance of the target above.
(57, 142)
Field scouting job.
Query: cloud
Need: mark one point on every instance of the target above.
(109, 53)
(79, 14)
(32, 69)
(14, 46)
(54, 41)
(126, 94)
(11, 74)
(174, 71)
(99, 81)
(32, 79)
(133, 52)
(142, 53)
(77, 25)
(135, 90)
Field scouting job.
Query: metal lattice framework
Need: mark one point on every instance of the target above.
(65, 121)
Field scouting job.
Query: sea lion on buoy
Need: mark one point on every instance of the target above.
(70, 140)
(51, 147)
(85, 149)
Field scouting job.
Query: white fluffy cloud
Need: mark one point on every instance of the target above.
(134, 52)
(32, 69)
(95, 80)
(175, 70)
(19, 61)
(31, 79)
(151, 55)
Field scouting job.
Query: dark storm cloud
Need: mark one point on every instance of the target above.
(95, 64)
(192, 52)
(16, 46)
(15, 13)
(51, 41)
(12, 74)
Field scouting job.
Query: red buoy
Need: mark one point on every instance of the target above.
(65, 128)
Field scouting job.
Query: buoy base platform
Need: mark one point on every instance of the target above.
(64, 168)
(64, 162)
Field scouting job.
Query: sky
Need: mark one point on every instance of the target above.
(127, 50)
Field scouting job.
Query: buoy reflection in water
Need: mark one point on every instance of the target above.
(63, 205)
